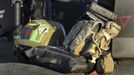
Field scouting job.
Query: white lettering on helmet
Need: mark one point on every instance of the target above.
(2, 14)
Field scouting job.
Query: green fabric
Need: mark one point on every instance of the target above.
(36, 33)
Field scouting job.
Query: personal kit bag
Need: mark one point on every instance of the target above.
(94, 46)
(92, 38)
(86, 47)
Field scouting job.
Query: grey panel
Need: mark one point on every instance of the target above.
(125, 67)
(24, 69)
(123, 48)
(27, 69)
(123, 45)
(125, 8)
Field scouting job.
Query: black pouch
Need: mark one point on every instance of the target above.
(57, 59)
